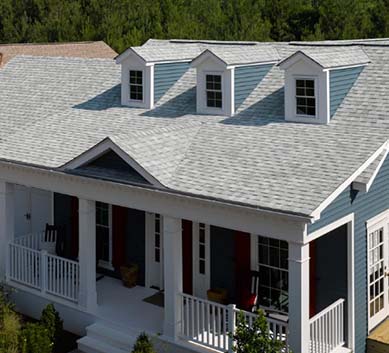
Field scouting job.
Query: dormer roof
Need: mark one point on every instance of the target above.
(329, 57)
(239, 55)
(159, 54)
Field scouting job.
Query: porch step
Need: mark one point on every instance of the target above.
(342, 350)
(91, 345)
(102, 338)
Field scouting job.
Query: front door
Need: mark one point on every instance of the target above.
(154, 250)
(377, 272)
(201, 259)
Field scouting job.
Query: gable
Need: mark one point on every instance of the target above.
(110, 166)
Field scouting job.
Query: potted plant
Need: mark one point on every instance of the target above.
(129, 274)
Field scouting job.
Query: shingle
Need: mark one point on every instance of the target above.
(50, 116)
(334, 56)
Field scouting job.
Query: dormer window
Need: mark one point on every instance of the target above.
(214, 91)
(305, 97)
(136, 85)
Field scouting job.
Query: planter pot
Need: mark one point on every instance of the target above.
(129, 275)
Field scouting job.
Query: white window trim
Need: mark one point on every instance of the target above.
(213, 110)
(371, 224)
(134, 102)
(316, 96)
(102, 263)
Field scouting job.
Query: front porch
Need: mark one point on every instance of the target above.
(219, 257)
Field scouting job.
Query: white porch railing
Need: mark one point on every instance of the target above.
(327, 328)
(35, 240)
(208, 323)
(43, 271)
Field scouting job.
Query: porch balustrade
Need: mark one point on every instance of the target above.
(209, 323)
(38, 269)
(327, 328)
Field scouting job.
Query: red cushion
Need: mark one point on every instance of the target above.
(249, 302)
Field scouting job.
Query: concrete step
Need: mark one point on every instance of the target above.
(342, 350)
(112, 336)
(91, 345)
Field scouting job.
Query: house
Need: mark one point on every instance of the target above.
(255, 173)
(97, 49)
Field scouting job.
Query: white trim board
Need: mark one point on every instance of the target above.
(365, 187)
(100, 149)
(350, 221)
(316, 213)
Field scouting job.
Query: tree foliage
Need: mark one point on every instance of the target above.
(255, 338)
(123, 23)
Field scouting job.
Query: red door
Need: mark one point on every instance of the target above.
(119, 215)
(187, 256)
(242, 267)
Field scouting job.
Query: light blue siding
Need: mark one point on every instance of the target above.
(246, 79)
(166, 75)
(364, 206)
(341, 82)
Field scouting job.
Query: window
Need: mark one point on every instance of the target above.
(136, 85)
(103, 232)
(157, 238)
(214, 91)
(305, 97)
(202, 245)
(273, 273)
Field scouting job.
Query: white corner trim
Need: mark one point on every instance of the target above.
(316, 213)
(103, 147)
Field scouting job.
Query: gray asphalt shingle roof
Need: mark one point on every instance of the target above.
(332, 57)
(63, 107)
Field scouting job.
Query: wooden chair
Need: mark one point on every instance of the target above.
(49, 240)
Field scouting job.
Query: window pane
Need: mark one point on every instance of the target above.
(202, 267)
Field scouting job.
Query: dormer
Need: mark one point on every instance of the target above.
(148, 72)
(227, 74)
(318, 79)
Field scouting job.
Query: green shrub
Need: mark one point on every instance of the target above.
(143, 345)
(254, 339)
(35, 338)
(51, 320)
(9, 331)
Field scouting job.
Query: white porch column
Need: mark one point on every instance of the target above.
(7, 224)
(299, 297)
(87, 254)
(172, 245)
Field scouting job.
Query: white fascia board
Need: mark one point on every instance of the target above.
(126, 54)
(365, 187)
(274, 224)
(103, 147)
(294, 58)
(345, 67)
(316, 213)
(256, 63)
(205, 55)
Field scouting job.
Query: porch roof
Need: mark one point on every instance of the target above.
(54, 109)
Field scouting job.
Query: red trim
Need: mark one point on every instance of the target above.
(312, 279)
(119, 217)
(187, 256)
(74, 227)
(242, 267)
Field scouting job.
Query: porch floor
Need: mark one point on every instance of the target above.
(124, 307)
